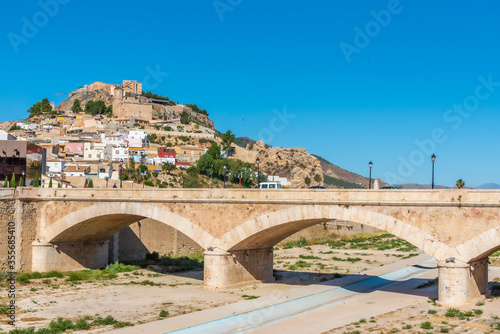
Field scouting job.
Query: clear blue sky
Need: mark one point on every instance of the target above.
(248, 61)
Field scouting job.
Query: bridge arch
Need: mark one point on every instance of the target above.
(268, 229)
(480, 246)
(100, 221)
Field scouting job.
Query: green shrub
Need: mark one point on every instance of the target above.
(78, 276)
(154, 256)
(452, 312)
(426, 325)
(53, 273)
(36, 275)
(109, 320)
(309, 257)
(60, 325)
(163, 314)
(24, 278)
(118, 267)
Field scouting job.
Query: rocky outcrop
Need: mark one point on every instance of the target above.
(293, 163)
(96, 91)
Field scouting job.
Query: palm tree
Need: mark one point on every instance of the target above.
(460, 184)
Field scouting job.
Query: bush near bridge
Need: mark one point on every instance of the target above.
(172, 263)
(376, 241)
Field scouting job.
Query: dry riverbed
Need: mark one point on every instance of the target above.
(101, 300)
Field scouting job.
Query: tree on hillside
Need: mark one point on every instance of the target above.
(307, 181)
(77, 108)
(196, 109)
(131, 165)
(109, 110)
(227, 140)
(317, 178)
(168, 167)
(142, 168)
(95, 107)
(185, 119)
(460, 184)
(43, 107)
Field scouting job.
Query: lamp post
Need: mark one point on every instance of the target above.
(143, 175)
(433, 158)
(22, 173)
(370, 164)
(121, 172)
(225, 167)
(240, 175)
(258, 172)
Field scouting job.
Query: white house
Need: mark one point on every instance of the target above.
(5, 136)
(55, 167)
(135, 142)
(93, 151)
(137, 135)
(119, 153)
(161, 161)
(115, 139)
(77, 170)
(26, 126)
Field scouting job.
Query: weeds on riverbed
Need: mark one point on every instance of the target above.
(172, 264)
(62, 325)
(377, 241)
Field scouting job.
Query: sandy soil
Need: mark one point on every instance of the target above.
(40, 302)
(425, 317)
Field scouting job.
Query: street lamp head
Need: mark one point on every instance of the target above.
(433, 158)
(257, 161)
(370, 164)
(22, 173)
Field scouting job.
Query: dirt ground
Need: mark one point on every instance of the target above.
(44, 300)
(426, 317)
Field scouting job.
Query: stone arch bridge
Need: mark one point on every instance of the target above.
(69, 229)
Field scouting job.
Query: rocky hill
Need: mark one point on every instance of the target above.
(96, 91)
(336, 177)
(293, 163)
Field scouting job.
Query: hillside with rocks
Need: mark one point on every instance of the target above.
(96, 91)
(293, 163)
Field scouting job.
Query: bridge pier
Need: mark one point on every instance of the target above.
(225, 270)
(462, 283)
(69, 256)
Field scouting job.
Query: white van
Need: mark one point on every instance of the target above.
(269, 185)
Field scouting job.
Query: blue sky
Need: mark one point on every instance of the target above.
(277, 71)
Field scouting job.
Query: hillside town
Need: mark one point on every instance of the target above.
(102, 130)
